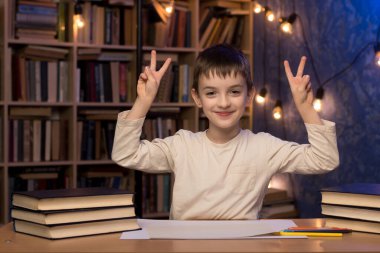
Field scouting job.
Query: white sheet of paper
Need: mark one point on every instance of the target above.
(231, 229)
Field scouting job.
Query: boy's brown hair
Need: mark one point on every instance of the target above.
(222, 60)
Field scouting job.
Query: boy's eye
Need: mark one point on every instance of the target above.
(210, 93)
(235, 92)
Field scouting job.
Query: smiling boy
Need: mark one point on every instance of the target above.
(223, 172)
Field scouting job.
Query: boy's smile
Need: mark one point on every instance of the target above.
(223, 101)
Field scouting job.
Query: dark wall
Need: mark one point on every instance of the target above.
(336, 30)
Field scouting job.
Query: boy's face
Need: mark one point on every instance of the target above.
(223, 100)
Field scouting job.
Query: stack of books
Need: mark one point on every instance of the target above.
(65, 213)
(278, 205)
(354, 206)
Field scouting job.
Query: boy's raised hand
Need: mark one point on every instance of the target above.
(300, 84)
(149, 80)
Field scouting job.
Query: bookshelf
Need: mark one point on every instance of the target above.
(70, 108)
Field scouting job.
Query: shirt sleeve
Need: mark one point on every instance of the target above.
(129, 151)
(319, 156)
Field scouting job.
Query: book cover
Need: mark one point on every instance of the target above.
(75, 230)
(356, 188)
(62, 199)
(362, 213)
(73, 215)
(357, 194)
(356, 225)
(276, 196)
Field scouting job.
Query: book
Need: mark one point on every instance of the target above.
(105, 56)
(220, 3)
(75, 229)
(30, 111)
(274, 195)
(361, 213)
(121, 2)
(43, 51)
(63, 199)
(358, 194)
(72, 215)
(356, 225)
(278, 211)
(277, 205)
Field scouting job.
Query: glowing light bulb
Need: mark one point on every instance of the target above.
(78, 18)
(317, 104)
(277, 110)
(269, 15)
(277, 115)
(79, 21)
(260, 98)
(286, 27)
(287, 23)
(257, 8)
(169, 9)
(377, 58)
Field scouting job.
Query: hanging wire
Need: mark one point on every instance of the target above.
(293, 6)
(309, 51)
(279, 75)
(279, 55)
(264, 51)
(343, 70)
(279, 64)
(348, 66)
(265, 67)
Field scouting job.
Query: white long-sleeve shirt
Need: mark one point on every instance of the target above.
(222, 181)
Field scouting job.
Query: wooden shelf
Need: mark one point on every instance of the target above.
(114, 47)
(41, 104)
(104, 104)
(171, 49)
(95, 162)
(39, 164)
(40, 42)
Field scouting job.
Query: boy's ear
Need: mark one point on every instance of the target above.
(251, 95)
(196, 98)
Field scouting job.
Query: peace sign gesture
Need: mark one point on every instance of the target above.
(300, 84)
(149, 79)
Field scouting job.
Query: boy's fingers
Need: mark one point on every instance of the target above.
(301, 66)
(308, 87)
(143, 76)
(288, 71)
(165, 66)
(148, 73)
(153, 60)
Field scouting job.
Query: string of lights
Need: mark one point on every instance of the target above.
(286, 26)
(277, 110)
(260, 97)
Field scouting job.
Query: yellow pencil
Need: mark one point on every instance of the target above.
(310, 234)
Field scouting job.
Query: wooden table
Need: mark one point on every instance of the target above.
(354, 242)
